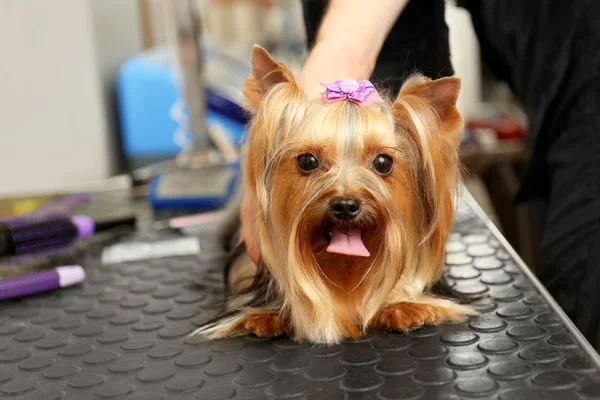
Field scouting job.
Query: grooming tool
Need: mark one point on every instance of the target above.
(41, 281)
(193, 190)
(18, 265)
(193, 225)
(64, 220)
(189, 220)
(28, 234)
(128, 252)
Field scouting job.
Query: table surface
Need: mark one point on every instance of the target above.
(123, 334)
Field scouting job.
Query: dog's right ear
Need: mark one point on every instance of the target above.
(265, 73)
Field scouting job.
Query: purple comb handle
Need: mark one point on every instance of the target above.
(41, 281)
(35, 282)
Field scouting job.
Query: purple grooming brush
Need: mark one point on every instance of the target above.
(34, 234)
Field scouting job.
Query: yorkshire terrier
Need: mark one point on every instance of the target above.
(354, 201)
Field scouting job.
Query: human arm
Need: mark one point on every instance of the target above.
(348, 42)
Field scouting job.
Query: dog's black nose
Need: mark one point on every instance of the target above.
(344, 208)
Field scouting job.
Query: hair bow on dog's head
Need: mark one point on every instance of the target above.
(362, 93)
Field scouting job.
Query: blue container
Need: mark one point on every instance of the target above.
(147, 94)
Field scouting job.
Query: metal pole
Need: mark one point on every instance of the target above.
(184, 35)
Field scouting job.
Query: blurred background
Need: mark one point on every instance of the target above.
(90, 96)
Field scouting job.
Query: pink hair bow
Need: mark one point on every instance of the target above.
(362, 93)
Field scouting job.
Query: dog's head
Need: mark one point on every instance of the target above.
(350, 195)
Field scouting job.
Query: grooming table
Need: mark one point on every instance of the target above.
(123, 334)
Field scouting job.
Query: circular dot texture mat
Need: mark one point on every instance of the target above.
(123, 334)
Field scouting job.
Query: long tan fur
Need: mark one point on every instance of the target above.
(322, 297)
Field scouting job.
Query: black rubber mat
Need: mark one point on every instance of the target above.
(122, 334)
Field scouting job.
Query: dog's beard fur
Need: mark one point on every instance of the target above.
(404, 218)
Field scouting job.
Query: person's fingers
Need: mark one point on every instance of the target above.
(248, 231)
(328, 63)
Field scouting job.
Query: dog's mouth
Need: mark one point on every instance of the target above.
(348, 242)
(345, 239)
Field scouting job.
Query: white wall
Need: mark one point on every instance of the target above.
(117, 36)
(52, 123)
(464, 49)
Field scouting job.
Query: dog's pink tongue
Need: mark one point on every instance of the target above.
(349, 244)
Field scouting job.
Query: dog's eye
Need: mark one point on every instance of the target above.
(307, 162)
(383, 164)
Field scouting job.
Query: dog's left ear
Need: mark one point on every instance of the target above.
(425, 110)
(441, 96)
(265, 73)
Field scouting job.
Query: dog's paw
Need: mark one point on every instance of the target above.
(406, 316)
(264, 324)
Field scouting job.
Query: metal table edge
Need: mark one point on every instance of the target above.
(581, 340)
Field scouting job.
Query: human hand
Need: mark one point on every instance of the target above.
(329, 61)
(344, 50)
